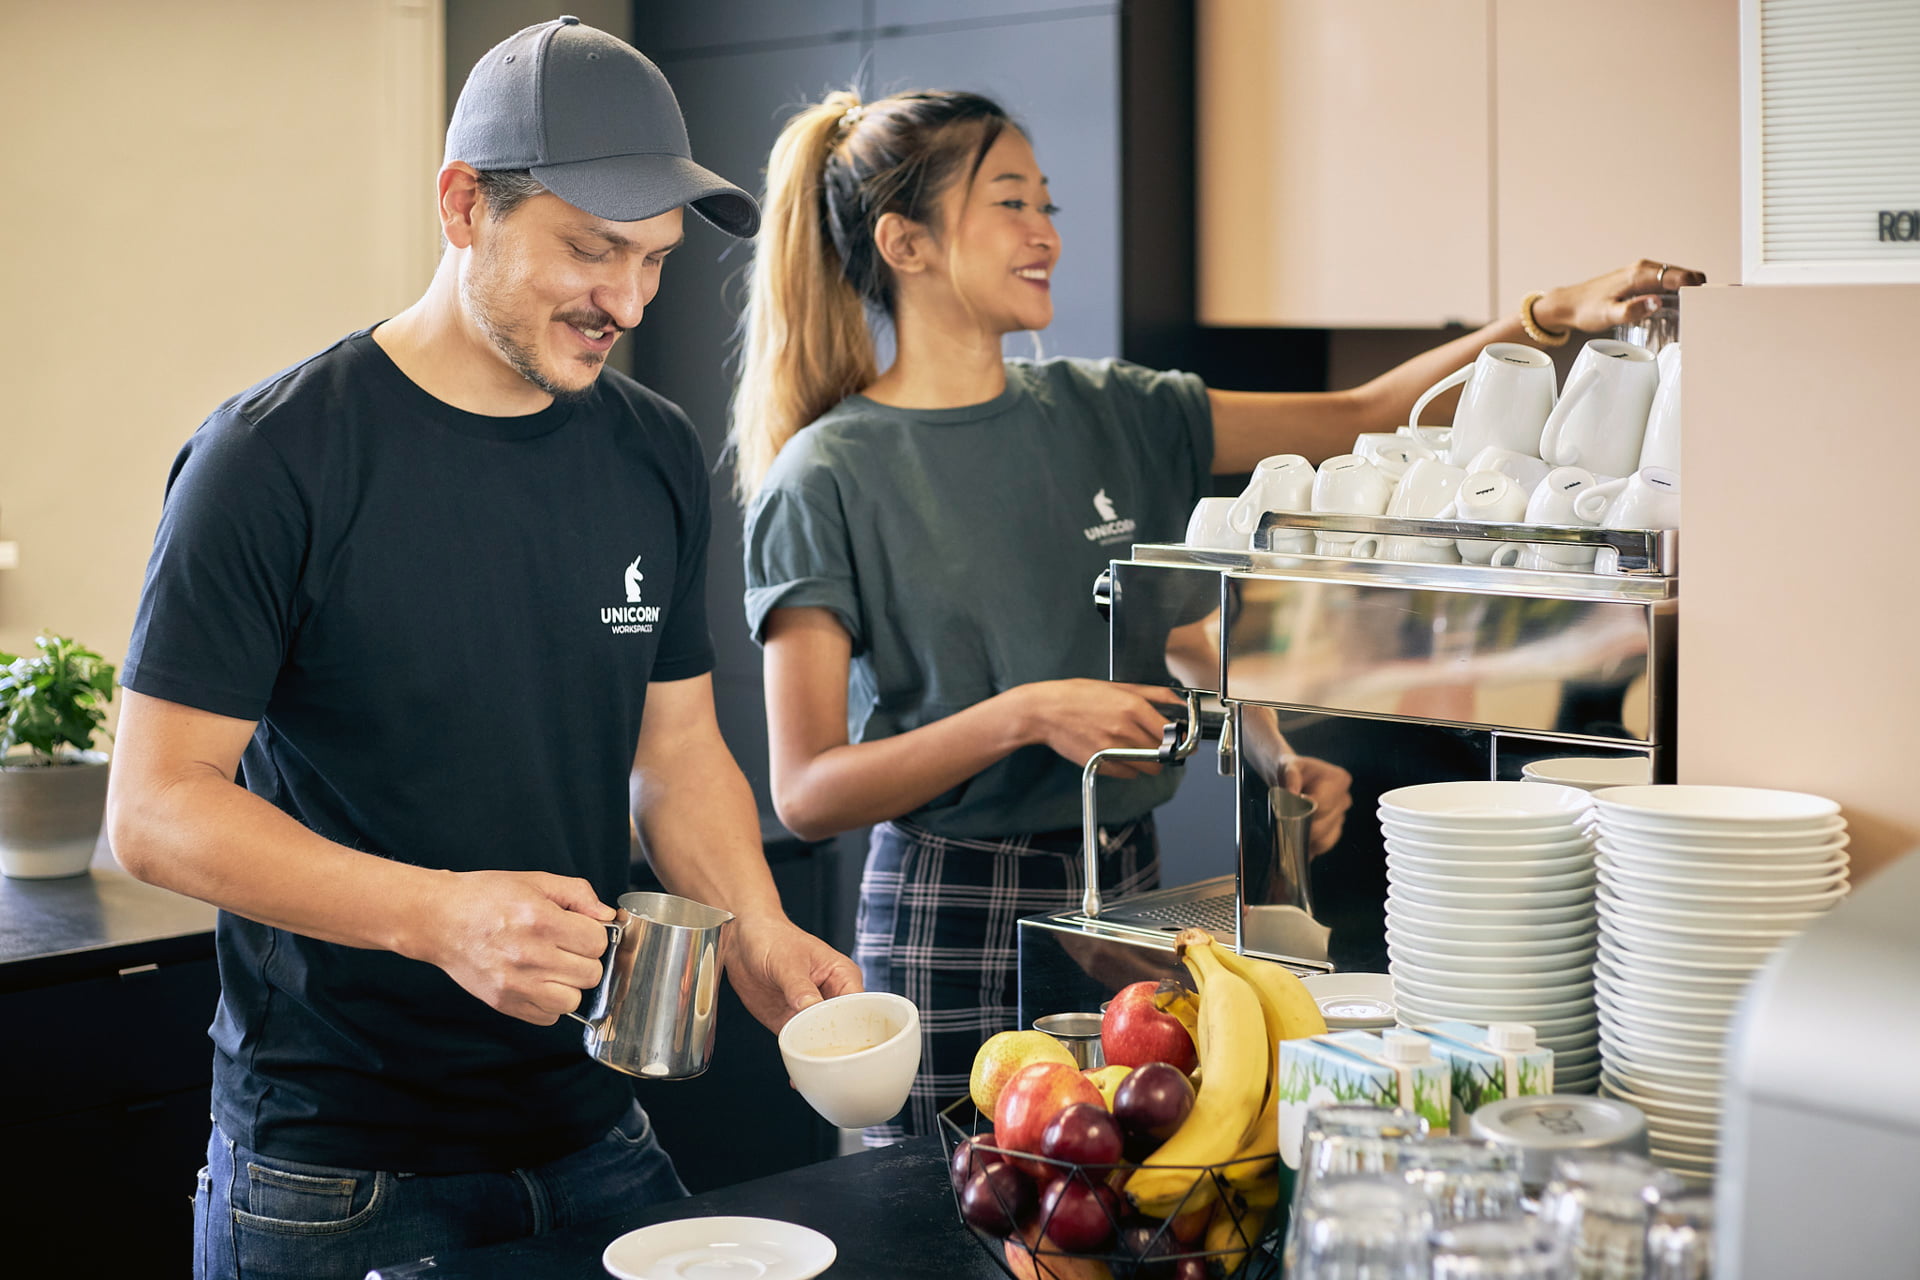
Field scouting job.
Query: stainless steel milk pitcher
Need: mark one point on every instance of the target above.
(654, 1012)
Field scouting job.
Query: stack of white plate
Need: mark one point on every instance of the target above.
(1490, 912)
(1698, 886)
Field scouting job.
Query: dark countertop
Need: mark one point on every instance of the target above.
(57, 930)
(888, 1212)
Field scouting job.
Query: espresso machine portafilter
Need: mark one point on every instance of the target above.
(1399, 672)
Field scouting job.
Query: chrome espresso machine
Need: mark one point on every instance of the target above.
(1400, 672)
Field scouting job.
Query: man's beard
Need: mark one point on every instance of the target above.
(510, 339)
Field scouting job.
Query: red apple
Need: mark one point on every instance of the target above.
(1032, 1098)
(1133, 1032)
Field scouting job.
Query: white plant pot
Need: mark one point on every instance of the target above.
(50, 815)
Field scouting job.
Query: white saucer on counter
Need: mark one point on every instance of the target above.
(765, 1248)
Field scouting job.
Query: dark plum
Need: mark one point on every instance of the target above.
(1082, 1134)
(998, 1198)
(1078, 1215)
(1150, 1104)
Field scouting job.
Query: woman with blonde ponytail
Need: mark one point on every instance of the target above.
(917, 537)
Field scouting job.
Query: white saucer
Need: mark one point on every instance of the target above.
(719, 1249)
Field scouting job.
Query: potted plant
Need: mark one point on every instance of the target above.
(53, 784)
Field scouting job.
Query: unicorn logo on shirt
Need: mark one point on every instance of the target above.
(1112, 528)
(632, 617)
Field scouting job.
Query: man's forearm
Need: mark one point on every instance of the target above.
(701, 831)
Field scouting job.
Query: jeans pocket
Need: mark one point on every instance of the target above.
(310, 1200)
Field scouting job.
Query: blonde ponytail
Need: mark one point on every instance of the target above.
(805, 341)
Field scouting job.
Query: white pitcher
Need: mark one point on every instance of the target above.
(1508, 394)
(1601, 418)
(1661, 447)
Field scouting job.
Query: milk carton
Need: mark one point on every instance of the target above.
(1500, 1060)
(1395, 1069)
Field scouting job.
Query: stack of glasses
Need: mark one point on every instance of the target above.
(1376, 1197)
(1698, 886)
(1490, 913)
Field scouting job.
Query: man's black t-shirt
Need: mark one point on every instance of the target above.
(445, 625)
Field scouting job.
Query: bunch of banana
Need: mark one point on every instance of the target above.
(1289, 1012)
(1235, 1059)
(1245, 1007)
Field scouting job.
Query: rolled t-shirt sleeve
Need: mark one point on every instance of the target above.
(1175, 419)
(798, 555)
(220, 604)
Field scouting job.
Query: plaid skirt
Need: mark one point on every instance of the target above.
(937, 925)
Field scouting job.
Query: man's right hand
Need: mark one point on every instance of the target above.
(528, 943)
(1076, 718)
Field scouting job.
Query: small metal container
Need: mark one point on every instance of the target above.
(1080, 1032)
(655, 1011)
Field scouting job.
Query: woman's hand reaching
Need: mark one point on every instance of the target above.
(1618, 297)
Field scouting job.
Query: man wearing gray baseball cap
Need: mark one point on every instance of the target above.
(435, 596)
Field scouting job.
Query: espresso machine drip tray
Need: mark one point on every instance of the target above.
(1172, 910)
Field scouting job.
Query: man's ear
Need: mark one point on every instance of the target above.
(461, 204)
(904, 245)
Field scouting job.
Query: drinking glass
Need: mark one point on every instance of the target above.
(1361, 1228)
(1508, 1248)
(1600, 1208)
(1656, 330)
(1464, 1179)
(1680, 1237)
(1344, 1139)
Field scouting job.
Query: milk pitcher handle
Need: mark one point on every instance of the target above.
(1453, 379)
(597, 1007)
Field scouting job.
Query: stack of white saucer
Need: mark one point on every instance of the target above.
(1698, 886)
(1490, 912)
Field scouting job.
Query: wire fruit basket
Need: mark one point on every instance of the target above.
(1229, 1224)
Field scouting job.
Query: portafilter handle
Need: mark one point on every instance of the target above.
(1177, 742)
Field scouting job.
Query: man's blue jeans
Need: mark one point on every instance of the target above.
(258, 1218)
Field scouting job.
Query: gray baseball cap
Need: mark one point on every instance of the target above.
(594, 122)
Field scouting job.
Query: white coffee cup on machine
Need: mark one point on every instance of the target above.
(1428, 488)
(1283, 482)
(1647, 499)
(1350, 485)
(1601, 418)
(1390, 451)
(1555, 502)
(1487, 497)
(1507, 394)
(1527, 470)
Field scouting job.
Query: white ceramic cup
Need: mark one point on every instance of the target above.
(1351, 485)
(1283, 482)
(1601, 418)
(854, 1057)
(1438, 439)
(1390, 451)
(1555, 502)
(1211, 525)
(1526, 469)
(1647, 499)
(1487, 497)
(1661, 445)
(1508, 393)
(1427, 489)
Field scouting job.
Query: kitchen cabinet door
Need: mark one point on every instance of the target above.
(1619, 136)
(1060, 78)
(1344, 162)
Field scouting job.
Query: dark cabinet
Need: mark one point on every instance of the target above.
(106, 1080)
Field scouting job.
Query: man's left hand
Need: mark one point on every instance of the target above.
(778, 969)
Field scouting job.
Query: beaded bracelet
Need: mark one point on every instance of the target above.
(1545, 337)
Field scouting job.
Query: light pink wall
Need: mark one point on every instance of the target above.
(1800, 604)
